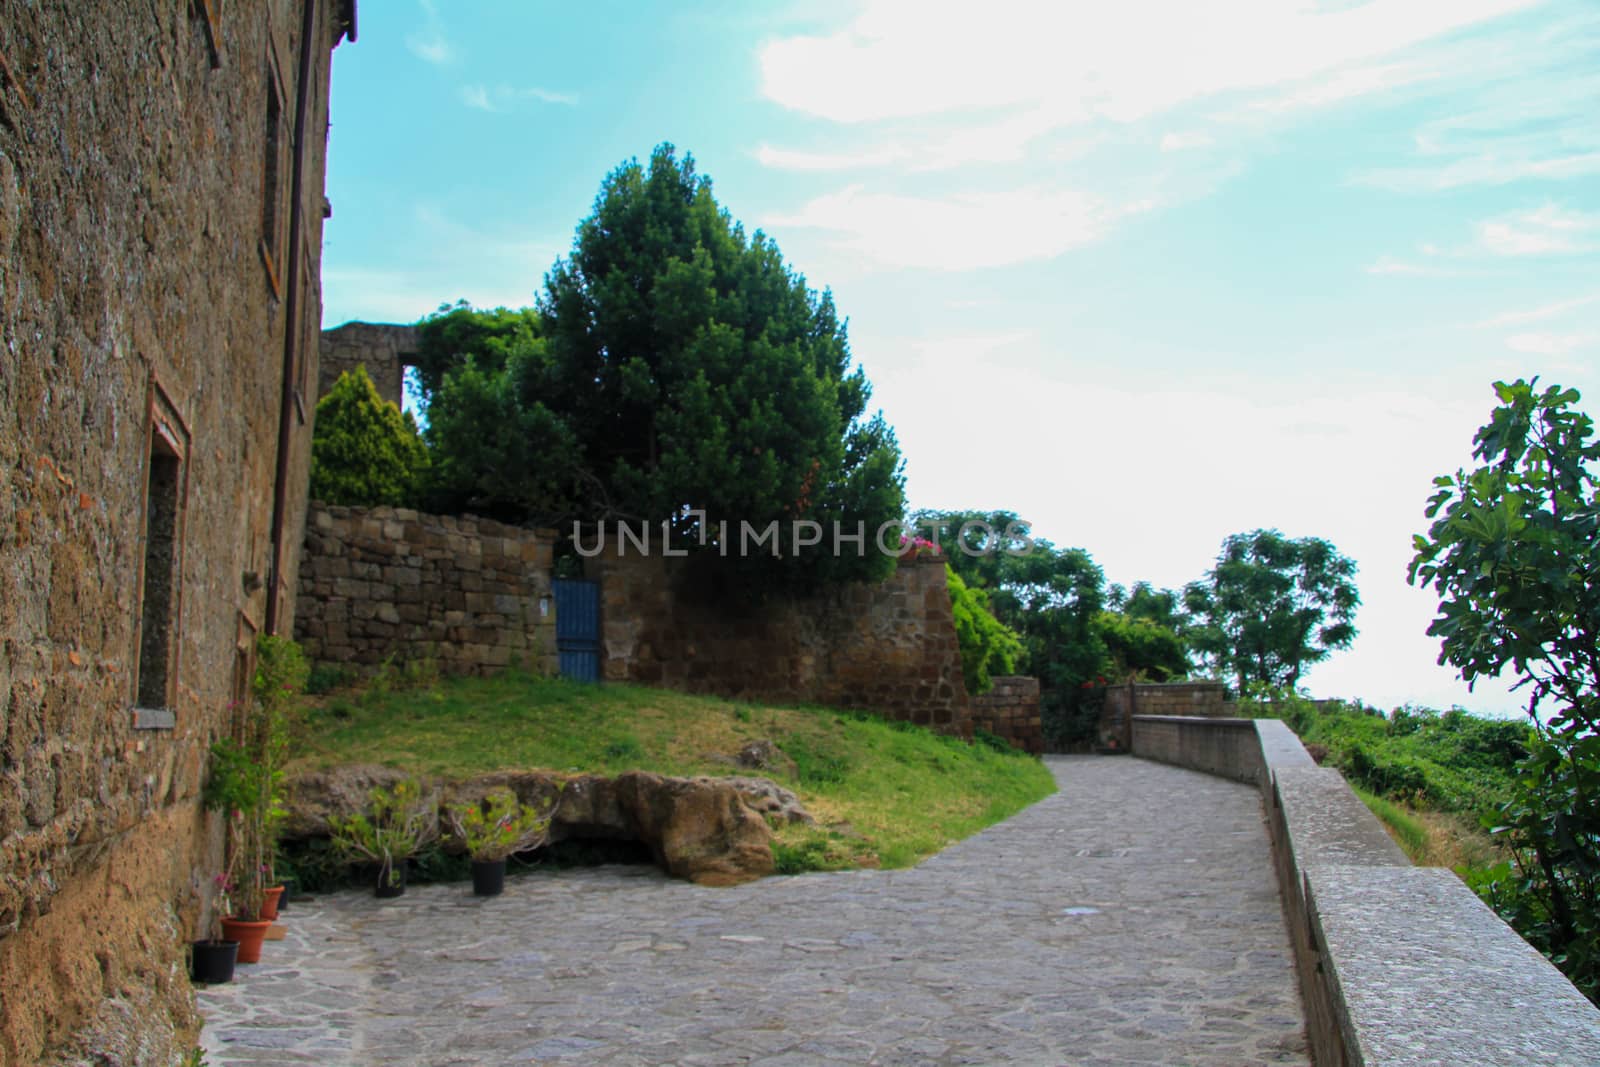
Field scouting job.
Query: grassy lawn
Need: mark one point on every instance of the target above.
(884, 794)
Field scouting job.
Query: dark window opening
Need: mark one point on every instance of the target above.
(272, 172)
(160, 577)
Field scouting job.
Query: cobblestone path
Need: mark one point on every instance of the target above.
(1132, 918)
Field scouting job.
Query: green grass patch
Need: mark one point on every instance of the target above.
(1407, 831)
(884, 794)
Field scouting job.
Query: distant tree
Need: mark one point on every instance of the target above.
(364, 450)
(1271, 607)
(988, 647)
(685, 374)
(1145, 632)
(1514, 552)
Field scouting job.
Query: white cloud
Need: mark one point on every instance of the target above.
(1178, 142)
(790, 159)
(1538, 314)
(1549, 230)
(489, 268)
(428, 43)
(505, 97)
(1550, 344)
(959, 232)
(1391, 265)
(904, 58)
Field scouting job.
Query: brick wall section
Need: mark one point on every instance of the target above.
(133, 279)
(1010, 709)
(888, 647)
(384, 349)
(467, 592)
(1208, 699)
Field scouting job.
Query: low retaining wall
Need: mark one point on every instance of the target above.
(1123, 702)
(1397, 964)
(1010, 710)
(471, 594)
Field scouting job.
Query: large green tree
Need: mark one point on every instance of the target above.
(1514, 553)
(678, 372)
(364, 450)
(1271, 607)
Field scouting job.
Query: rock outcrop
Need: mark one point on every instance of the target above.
(712, 831)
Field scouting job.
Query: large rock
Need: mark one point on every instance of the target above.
(713, 831)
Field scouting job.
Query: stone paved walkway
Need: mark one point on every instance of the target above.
(1133, 918)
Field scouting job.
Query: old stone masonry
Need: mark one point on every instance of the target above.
(1108, 924)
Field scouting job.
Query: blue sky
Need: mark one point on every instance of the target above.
(1146, 273)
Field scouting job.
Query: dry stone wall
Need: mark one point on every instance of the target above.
(1010, 710)
(384, 349)
(471, 594)
(888, 647)
(1122, 702)
(150, 358)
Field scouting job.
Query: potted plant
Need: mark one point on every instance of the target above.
(495, 828)
(236, 788)
(212, 957)
(402, 820)
(280, 675)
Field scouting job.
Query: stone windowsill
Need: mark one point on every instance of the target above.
(154, 719)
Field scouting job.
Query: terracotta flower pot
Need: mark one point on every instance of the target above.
(212, 961)
(249, 934)
(488, 877)
(269, 904)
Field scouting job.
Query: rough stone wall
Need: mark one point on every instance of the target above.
(888, 647)
(384, 349)
(471, 594)
(134, 295)
(1157, 698)
(1010, 710)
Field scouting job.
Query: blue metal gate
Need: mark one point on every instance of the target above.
(578, 628)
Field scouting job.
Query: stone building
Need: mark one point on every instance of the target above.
(161, 213)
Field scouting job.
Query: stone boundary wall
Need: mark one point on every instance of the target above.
(888, 647)
(1397, 964)
(1122, 702)
(1010, 710)
(471, 594)
(383, 348)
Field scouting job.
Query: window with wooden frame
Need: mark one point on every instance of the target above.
(166, 488)
(274, 169)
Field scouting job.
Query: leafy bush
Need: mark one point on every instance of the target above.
(988, 646)
(364, 450)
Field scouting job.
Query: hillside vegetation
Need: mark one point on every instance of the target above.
(884, 794)
(1435, 779)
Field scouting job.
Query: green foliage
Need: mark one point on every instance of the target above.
(1411, 834)
(500, 825)
(1141, 648)
(364, 450)
(988, 646)
(1271, 607)
(1449, 762)
(400, 821)
(677, 368)
(1514, 552)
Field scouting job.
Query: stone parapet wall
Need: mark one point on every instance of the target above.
(1122, 702)
(471, 594)
(383, 348)
(1010, 710)
(1397, 964)
(888, 647)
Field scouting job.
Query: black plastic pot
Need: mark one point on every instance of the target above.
(212, 961)
(391, 879)
(488, 877)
